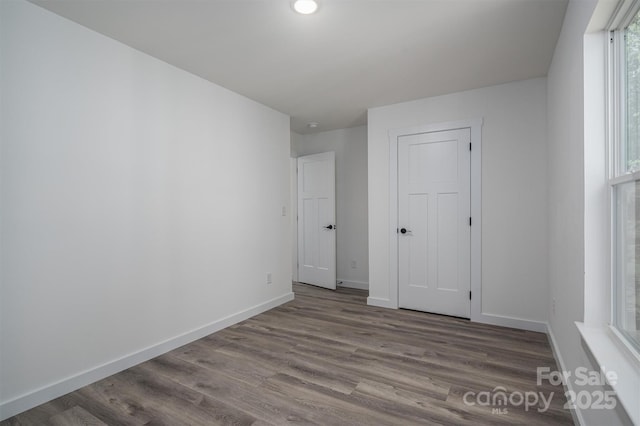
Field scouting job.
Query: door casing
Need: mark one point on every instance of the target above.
(475, 126)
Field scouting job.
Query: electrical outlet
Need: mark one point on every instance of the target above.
(354, 264)
(284, 210)
(553, 306)
(269, 278)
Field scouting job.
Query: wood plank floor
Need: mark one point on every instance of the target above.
(326, 359)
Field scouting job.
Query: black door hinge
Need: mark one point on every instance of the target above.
(469, 295)
(469, 221)
(469, 146)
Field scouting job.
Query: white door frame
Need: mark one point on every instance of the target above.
(475, 125)
(293, 186)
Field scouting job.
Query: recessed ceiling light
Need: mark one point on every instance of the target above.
(306, 7)
(313, 125)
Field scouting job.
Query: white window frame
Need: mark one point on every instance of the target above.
(616, 135)
(604, 346)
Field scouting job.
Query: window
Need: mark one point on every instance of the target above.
(624, 173)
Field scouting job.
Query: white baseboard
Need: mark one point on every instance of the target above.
(360, 285)
(491, 319)
(578, 419)
(382, 303)
(505, 321)
(47, 393)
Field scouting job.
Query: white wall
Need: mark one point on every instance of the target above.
(514, 197)
(566, 186)
(139, 203)
(350, 146)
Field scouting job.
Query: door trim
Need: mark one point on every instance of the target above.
(475, 125)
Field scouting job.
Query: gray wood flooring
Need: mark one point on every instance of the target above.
(326, 358)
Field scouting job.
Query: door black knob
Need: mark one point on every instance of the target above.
(329, 227)
(403, 230)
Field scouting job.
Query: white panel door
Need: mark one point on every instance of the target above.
(316, 220)
(434, 235)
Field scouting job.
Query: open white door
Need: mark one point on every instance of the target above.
(434, 210)
(317, 220)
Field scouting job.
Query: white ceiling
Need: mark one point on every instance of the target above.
(353, 54)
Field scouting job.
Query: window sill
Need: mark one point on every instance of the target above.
(610, 352)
